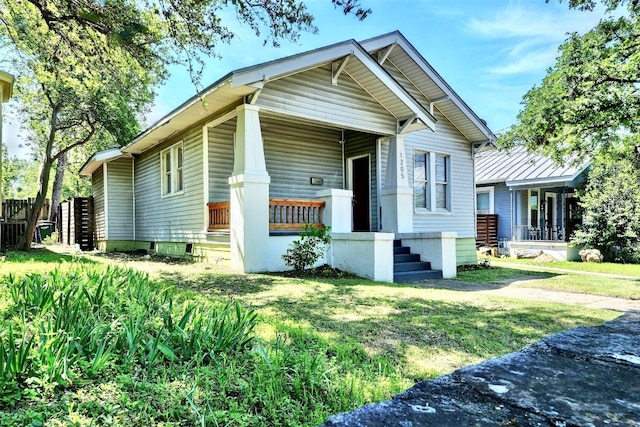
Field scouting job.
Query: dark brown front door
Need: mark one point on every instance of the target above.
(361, 195)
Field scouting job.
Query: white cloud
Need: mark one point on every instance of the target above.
(529, 36)
(537, 60)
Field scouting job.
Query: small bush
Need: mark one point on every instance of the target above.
(308, 249)
(51, 239)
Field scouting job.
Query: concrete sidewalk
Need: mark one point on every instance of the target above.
(587, 376)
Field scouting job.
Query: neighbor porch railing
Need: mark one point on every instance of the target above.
(529, 233)
(284, 214)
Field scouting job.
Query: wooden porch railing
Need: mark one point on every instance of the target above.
(218, 216)
(284, 214)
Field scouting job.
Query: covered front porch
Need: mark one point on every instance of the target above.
(286, 175)
(544, 219)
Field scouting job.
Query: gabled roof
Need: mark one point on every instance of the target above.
(395, 48)
(6, 81)
(517, 167)
(229, 91)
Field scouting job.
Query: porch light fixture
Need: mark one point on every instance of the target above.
(314, 180)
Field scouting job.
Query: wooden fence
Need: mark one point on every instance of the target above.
(75, 222)
(487, 230)
(13, 221)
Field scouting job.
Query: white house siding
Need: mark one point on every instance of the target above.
(447, 140)
(294, 153)
(220, 160)
(97, 184)
(120, 203)
(361, 144)
(311, 96)
(178, 218)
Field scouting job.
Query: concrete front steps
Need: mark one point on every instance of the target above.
(408, 267)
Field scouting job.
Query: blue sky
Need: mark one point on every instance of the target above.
(491, 52)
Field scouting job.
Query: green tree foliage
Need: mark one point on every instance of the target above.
(589, 100)
(611, 203)
(87, 67)
(19, 177)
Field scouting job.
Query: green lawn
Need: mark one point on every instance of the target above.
(632, 270)
(316, 347)
(558, 276)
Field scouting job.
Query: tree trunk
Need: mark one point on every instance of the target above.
(34, 215)
(57, 188)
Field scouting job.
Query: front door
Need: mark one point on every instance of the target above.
(361, 187)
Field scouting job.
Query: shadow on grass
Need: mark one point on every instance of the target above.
(479, 329)
(43, 256)
(488, 278)
(219, 284)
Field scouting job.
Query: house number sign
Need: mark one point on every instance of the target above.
(401, 165)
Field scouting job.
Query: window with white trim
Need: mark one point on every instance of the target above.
(171, 166)
(431, 179)
(484, 200)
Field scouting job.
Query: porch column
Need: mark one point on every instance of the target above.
(249, 199)
(397, 196)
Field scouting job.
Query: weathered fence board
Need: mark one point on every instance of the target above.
(487, 230)
(75, 222)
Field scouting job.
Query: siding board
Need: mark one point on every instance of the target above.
(311, 95)
(176, 218)
(120, 203)
(97, 184)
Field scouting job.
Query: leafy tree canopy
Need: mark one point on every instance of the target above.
(589, 100)
(611, 205)
(88, 67)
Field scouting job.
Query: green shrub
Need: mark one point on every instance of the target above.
(308, 249)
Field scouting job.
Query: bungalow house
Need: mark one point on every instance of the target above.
(531, 199)
(364, 137)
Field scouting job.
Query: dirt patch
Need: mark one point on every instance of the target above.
(324, 272)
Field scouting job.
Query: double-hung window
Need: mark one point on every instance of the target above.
(484, 200)
(431, 178)
(171, 166)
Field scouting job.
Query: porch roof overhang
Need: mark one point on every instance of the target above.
(99, 158)
(237, 87)
(6, 82)
(560, 181)
(396, 49)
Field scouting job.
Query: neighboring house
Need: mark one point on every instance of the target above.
(365, 137)
(532, 197)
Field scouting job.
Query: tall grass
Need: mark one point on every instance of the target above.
(67, 329)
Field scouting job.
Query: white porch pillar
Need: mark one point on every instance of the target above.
(249, 199)
(397, 196)
(337, 209)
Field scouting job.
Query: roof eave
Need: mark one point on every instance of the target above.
(99, 158)
(397, 38)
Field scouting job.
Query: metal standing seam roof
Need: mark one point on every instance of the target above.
(519, 167)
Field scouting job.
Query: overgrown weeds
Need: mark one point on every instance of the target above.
(62, 330)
